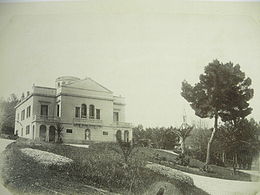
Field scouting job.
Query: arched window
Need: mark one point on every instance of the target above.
(83, 111)
(91, 111)
(119, 135)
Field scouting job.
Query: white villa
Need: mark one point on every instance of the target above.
(86, 110)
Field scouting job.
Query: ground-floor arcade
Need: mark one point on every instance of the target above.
(77, 133)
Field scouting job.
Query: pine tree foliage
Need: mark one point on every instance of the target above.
(223, 91)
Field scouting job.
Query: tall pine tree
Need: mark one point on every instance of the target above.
(222, 92)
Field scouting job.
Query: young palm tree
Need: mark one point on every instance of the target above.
(183, 132)
(59, 128)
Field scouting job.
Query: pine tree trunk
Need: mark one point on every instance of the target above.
(182, 145)
(234, 163)
(211, 139)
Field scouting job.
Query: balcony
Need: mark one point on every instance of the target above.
(121, 124)
(44, 118)
(87, 121)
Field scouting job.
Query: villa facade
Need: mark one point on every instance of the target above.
(86, 110)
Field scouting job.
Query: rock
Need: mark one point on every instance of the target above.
(163, 188)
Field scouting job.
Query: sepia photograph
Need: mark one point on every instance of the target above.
(130, 97)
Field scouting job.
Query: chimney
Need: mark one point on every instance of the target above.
(22, 97)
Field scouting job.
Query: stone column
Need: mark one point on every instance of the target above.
(47, 133)
(37, 131)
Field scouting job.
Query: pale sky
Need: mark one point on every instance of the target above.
(141, 49)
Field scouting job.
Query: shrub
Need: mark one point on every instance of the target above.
(183, 160)
(98, 166)
(171, 173)
(196, 163)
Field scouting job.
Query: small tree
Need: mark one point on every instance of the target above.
(223, 92)
(183, 133)
(126, 148)
(7, 114)
(170, 139)
(59, 128)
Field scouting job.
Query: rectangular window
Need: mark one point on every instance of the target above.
(17, 116)
(77, 112)
(105, 133)
(91, 111)
(28, 112)
(27, 129)
(68, 130)
(44, 110)
(58, 110)
(83, 111)
(97, 113)
(23, 115)
(116, 117)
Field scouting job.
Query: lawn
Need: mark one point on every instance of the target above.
(195, 166)
(101, 166)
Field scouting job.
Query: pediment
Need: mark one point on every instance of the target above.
(88, 84)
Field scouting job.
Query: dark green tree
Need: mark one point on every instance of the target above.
(59, 129)
(159, 137)
(222, 92)
(7, 114)
(170, 139)
(239, 142)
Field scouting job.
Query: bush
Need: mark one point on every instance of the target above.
(9, 136)
(183, 160)
(171, 173)
(216, 161)
(196, 163)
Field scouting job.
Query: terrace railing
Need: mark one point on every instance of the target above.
(46, 118)
(122, 124)
(87, 121)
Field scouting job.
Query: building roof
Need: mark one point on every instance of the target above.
(88, 84)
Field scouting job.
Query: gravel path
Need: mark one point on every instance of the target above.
(78, 145)
(251, 172)
(215, 186)
(168, 151)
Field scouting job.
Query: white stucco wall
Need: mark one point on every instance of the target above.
(69, 98)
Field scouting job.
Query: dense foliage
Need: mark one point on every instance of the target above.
(158, 137)
(7, 114)
(239, 143)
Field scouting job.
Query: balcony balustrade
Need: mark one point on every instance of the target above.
(46, 118)
(87, 121)
(122, 124)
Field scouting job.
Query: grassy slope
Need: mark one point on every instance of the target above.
(100, 166)
(196, 165)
